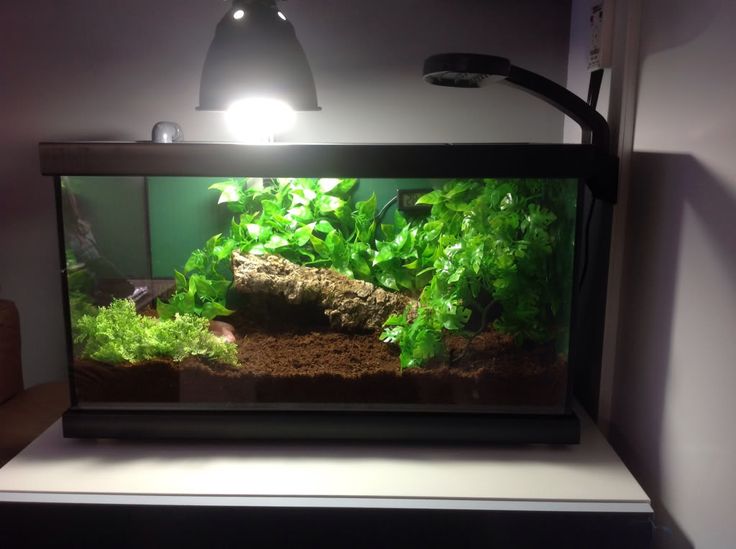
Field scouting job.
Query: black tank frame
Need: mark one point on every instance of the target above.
(596, 171)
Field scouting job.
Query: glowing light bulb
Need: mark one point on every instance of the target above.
(257, 120)
(283, 17)
(238, 14)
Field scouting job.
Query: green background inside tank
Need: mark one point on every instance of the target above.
(115, 209)
(184, 213)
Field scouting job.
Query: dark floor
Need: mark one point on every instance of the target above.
(143, 527)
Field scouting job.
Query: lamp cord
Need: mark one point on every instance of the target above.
(594, 88)
(380, 214)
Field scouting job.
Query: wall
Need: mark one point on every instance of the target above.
(108, 70)
(617, 103)
(673, 400)
(578, 75)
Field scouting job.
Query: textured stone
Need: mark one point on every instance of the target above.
(350, 305)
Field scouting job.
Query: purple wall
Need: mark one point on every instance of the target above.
(673, 406)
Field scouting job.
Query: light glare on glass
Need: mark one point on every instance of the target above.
(282, 15)
(238, 14)
(257, 120)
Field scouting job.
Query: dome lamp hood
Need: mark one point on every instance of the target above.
(255, 54)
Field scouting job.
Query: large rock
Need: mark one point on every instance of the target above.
(350, 305)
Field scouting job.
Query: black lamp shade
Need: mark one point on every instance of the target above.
(257, 55)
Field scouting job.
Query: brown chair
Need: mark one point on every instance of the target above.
(24, 413)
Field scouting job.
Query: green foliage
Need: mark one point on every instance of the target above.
(307, 221)
(202, 287)
(486, 242)
(419, 339)
(314, 222)
(118, 334)
(304, 220)
(495, 240)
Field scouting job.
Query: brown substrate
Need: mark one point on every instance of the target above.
(289, 364)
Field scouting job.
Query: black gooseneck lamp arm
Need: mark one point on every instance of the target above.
(594, 126)
(466, 70)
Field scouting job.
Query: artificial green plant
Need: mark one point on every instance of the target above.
(117, 334)
(494, 250)
(485, 248)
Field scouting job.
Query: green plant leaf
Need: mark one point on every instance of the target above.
(457, 189)
(328, 203)
(181, 281)
(384, 254)
(254, 230)
(303, 234)
(366, 209)
(213, 309)
(387, 280)
(165, 310)
(431, 198)
(327, 184)
(346, 185)
(276, 242)
(388, 231)
(301, 213)
(360, 266)
(229, 191)
(324, 226)
(319, 246)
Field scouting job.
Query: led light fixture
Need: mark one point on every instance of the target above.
(255, 54)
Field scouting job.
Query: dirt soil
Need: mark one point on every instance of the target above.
(289, 357)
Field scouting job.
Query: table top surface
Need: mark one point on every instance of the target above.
(585, 477)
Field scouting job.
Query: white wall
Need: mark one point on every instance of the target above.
(674, 404)
(105, 69)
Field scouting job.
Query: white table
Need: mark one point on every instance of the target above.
(588, 477)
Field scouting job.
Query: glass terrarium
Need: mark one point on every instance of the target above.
(394, 292)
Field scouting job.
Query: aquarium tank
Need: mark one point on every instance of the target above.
(386, 292)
